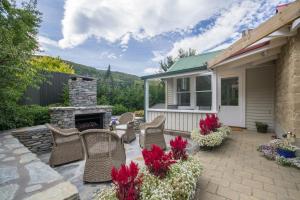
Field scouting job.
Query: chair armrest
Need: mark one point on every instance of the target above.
(145, 125)
(68, 130)
(130, 124)
(69, 133)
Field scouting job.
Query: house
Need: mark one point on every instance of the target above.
(255, 79)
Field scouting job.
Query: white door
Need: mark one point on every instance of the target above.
(231, 97)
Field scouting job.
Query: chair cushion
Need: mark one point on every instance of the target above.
(121, 127)
(70, 138)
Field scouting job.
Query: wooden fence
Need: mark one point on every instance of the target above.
(49, 92)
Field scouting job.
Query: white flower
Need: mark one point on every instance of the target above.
(212, 139)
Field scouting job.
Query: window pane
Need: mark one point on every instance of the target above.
(183, 99)
(204, 100)
(183, 84)
(230, 91)
(203, 83)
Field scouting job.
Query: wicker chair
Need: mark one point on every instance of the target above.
(127, 124)
(103, 150)
(153, 133)
(67, 146)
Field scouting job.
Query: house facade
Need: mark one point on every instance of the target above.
(257, 79)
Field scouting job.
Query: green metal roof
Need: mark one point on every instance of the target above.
(187, 64)
(193, 61)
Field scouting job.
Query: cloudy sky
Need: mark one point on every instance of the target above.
(134, 35)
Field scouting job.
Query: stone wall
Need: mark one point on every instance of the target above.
(64, 117)
(82, 91)
(287, 98)
(37, 139)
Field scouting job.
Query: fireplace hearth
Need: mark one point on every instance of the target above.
(89, 121)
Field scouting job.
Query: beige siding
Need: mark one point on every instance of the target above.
(179, 121)
(170, 91)
(260, 96)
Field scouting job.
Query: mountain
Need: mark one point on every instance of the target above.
(118, 77)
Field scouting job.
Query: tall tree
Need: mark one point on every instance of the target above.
(18, 33)
(169, 61)
(108, 78)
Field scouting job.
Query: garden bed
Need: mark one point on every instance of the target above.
(180, 183)
(166, 175)
(210, 133)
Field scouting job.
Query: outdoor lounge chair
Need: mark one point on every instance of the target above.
(103, 150)
(67, 146)
(153, 133)
(127, 124)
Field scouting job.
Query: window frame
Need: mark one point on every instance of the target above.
(203, 91)
(183, 92)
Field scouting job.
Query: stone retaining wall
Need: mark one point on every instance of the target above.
(37, 139)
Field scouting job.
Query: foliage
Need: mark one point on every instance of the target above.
(211, 140)
(287, 147)
(119, 109)
(65, 96)
(157, 161)
(268, 151)
(209, 124)
(261, 127)
(180, 183)
(178, 148)
(50, 64)
(156, 92)
(139, 113)
(169, 61)
(18, 30)
(127, 181)
(14, 116)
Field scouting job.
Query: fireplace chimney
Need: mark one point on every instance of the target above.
(82, 91)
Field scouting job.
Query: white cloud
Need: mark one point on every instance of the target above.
(117, 21)
(108, 55)
(45, 42)
(227, 26)
(152, 70)
(157, 56)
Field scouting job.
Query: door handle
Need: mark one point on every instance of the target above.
(219, 107)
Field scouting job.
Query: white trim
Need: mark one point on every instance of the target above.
(184, 74)
(146, 99)
(181, 111)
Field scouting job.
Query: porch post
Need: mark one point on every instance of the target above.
(146, 99)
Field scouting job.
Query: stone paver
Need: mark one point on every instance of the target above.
(23, 175)
(245, 173)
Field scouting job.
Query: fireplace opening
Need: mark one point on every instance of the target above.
(89, 121)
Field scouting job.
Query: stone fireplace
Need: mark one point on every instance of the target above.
(83, 112)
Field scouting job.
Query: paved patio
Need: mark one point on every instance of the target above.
(237, 171)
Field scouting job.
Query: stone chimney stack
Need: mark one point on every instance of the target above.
(82, 91)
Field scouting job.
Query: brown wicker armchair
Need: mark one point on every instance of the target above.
(67, 146)
(153, 133)
(127, 124)
(103, 150)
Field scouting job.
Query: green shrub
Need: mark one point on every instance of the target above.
(15, 116)
(119, 109)
(139, 113)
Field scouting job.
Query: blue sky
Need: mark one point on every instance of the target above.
(133, 35)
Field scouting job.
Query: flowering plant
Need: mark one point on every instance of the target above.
(157, 161)
(114, 121)
(180, 183)
(178, 148)
(209, 124)
(127, 181)
(211, 140)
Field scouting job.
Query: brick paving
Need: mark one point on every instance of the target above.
(236, 170)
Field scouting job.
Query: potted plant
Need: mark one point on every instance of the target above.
(113, 123)
(261, 127)
(286, 151)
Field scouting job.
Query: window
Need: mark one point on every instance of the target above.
(230, 91)
(203, 92)
(183, 92)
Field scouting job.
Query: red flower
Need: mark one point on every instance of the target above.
(209, 124)
(127, 181)
(178, 146)
(157, 161)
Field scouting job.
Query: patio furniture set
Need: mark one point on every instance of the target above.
(102, 148)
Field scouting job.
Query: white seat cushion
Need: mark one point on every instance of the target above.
(121, 127)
